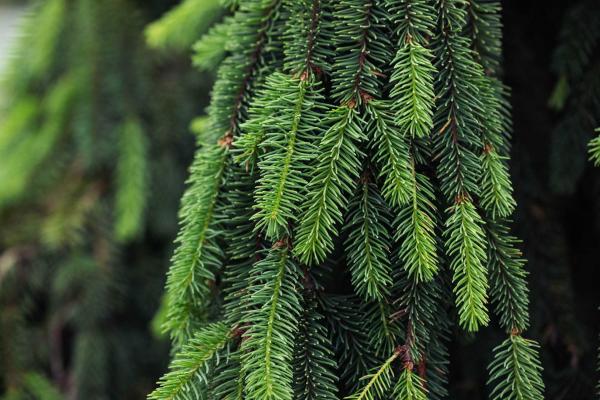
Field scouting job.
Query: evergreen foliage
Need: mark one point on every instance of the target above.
(351, 145)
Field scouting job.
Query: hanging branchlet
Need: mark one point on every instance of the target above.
(198, 255)
(307, 38)
(188, 373)
(377, 384)
(410, 386)
(508, 285)
(334, 176)
(339, 158)
(516, 370)
(272, 318)
(314, 361)
(413, 72)
(459, 108)
(368, 241)
(287, 148)
(466, 245)
(416, 224)
(485, 29)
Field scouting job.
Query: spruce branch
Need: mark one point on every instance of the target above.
(391, 153)
(516, 370)
(362, 51)
(410, 386)
(314, 361)
(508, 285)
(496, 187)
(307, 38)
(368, 242)
(485, 29)
(198, 255)
(349, 337)
(459, 108)
(416, 230)
(211, 48)
(289, 135)
(381, 328)
(413, 73)
(242, 240)
(236, 77)
(412, 93)
(466, 246)
(227, 382)
(272, 319)
(413, 20)
(336, 170)
(379, 382)
(188, 373)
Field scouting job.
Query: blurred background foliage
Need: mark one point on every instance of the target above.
(94, 147)
(95, 112)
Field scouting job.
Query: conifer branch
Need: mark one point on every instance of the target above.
(485, 29)
(391, 153)
(516, 370)
(227, 383)
(211, 49)
(410, 386)
(416, 230)
(368, 241)
(459, 108)
(307, 38)
(272, 320)
(198, 256)
(496, 188)
(412, 93)
(508, 285)
(289, 136)
(314, 362)
(334, 179)
(466, 246)
(350, 339)
(412, 78)
(242, 241)
(379, 382)
(381, 329)
(362, 51)
(187, 376)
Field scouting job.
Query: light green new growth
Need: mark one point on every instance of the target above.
(410, 386)
(466, 246)
(416, 230)
(377, 384)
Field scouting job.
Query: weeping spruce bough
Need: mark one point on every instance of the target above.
(359, 146)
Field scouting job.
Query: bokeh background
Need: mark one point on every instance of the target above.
(99, 106)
